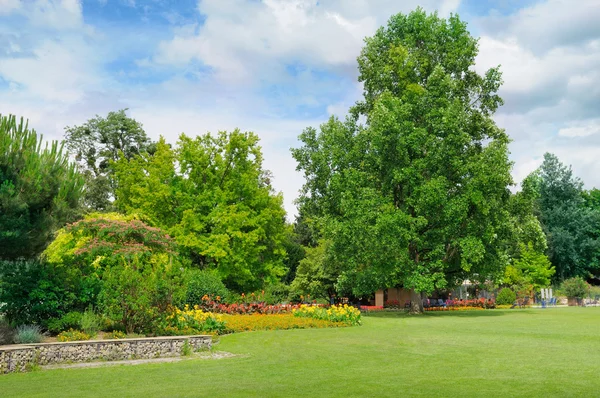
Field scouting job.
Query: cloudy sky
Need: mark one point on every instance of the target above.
(277, 66)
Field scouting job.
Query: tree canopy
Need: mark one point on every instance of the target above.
(418, 196)
(572, 227)
(39, 190)
(211, 194)
(99, 142)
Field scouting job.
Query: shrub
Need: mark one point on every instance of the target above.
(73, 335)
(276, 293)
(90, 323)
(7, 333)
(575, 287)
(28, 334)
(202, 283)
(506, 296)
(34, 292)
(71, 320)
(136, 294)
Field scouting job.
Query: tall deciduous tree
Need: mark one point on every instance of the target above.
(213, 196)
(39, 190)
(418, 196)
(572, 228)
(99, 142)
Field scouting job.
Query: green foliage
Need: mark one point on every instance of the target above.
(90, 322)
(575, 287)
(136, 293)
(294, 250)
(97, 144)
(73, 335)
(419, 195)
(129, 270)
(276, 293)
(506, 297)
(202, 283)
(212, 195)
(572, 228)
(28, 334)
(186, 349)
(315, 276)
(71, 320)
(34, 292)
(39, 190)
(7, 332)
(531, 269)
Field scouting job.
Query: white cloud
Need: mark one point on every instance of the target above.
(583, 131)
(240, 39)
(550, 58)
(8, 6)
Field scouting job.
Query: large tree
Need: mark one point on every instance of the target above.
(418, 195)
(39, 190)
(569, 219)
(213, 196)
(98, 143)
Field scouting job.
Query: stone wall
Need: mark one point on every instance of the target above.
(20, 358)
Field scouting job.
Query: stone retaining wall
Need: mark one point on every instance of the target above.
(20, 358)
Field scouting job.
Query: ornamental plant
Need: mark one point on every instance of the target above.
(506, 297)
(73, 335)
(575, 287)
(125, 268)
(336, 313)
(255, 322)
(192, 321)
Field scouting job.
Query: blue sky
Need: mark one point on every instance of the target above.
(276, 67)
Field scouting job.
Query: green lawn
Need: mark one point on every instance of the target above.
(501, 353)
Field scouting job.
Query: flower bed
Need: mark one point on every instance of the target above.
(373, 308)
(247, 323)
(336, 313)
(253, 307)
(195, 320)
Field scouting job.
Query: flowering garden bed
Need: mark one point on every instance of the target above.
(196, 320)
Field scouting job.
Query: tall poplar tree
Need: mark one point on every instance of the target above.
(417, 196)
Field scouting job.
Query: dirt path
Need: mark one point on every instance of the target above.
(98, 364)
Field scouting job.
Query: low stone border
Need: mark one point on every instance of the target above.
(21, 358)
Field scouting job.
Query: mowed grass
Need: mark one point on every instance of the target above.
(499, 353)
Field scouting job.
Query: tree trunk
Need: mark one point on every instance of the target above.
(416, 302)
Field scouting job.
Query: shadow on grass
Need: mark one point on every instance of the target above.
(459, 314)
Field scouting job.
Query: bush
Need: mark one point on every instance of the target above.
(28, 334)
(34, 292)
(73, 335)
(90, 323)
(71, 320)
(137, 294)
(575, 287)
(7, 333)
(202, 283)
(506, 297)
(276, 293)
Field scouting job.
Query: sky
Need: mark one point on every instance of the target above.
(276, 67)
